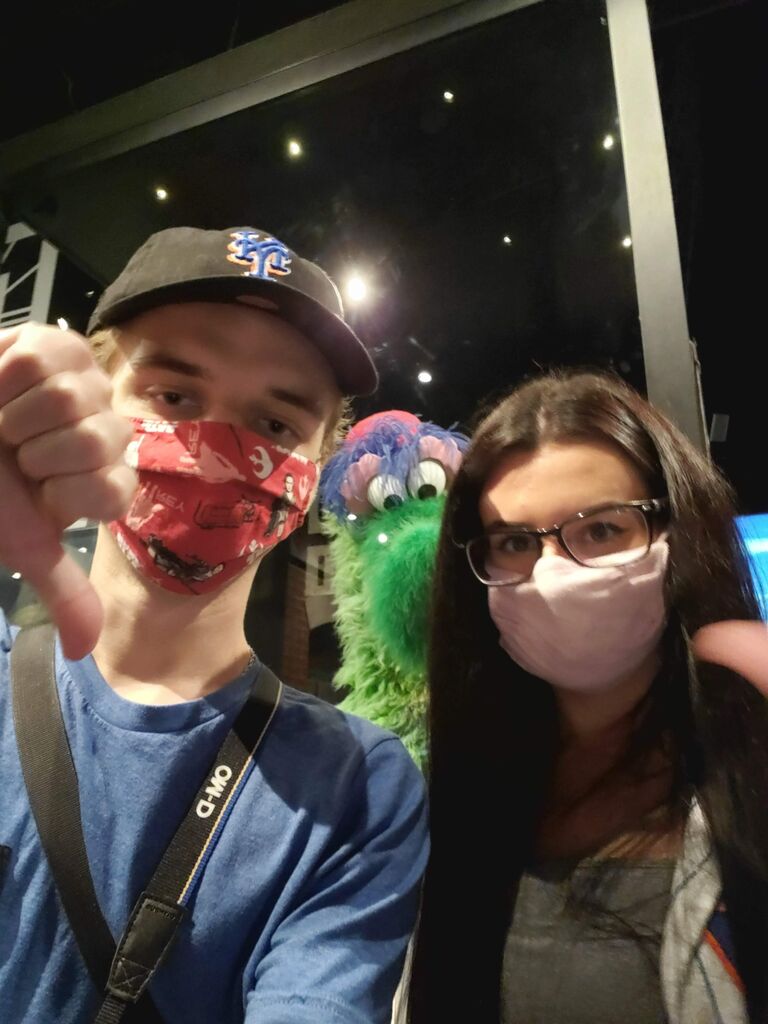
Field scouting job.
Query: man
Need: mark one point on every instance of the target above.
(229, 363)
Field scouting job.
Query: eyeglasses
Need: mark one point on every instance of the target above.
(607, 536)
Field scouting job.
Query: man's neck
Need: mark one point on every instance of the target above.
(158, 647)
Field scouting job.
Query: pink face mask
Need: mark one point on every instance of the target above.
(212, 497)
(581, 628)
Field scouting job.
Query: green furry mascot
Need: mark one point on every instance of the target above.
(383, 497)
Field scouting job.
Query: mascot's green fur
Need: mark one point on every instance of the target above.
(383, 495)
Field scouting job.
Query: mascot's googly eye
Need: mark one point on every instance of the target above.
(427, 480)
(386, 492)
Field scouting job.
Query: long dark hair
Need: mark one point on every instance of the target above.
(493, 732)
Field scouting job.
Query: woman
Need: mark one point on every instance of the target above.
(599, 801)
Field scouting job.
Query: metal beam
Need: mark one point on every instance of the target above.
(303, 54)
(671, 363)
(42, 273)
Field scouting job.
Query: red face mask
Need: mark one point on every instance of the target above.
(212, 497)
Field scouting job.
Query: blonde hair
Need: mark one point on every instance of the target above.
(105, 345)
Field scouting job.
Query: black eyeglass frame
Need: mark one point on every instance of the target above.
(650, 507)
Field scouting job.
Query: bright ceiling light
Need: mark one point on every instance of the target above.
(448, 96)
(161, 194)
(295, 149)
(63, 324)
(356, 288)
(425, 377)
(626, 242)
(609, 142)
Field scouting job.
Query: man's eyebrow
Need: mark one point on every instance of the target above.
(162, 361)
(299, 400)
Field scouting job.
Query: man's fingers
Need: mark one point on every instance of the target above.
(72, 603)
(63, 588)
(7, 337)
(36, 353)
(739, 646)
(61, 450)
(58, 402)
(104, 495)
(94, 443)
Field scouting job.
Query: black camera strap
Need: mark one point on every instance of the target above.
(122, 971)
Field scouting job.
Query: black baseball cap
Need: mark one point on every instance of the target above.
(240, 265)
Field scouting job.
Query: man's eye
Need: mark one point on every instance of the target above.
(171, 397)
(269, 427)
(171, 404)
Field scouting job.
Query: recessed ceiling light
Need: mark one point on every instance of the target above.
(356, 288)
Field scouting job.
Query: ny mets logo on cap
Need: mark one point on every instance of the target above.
(264, 255)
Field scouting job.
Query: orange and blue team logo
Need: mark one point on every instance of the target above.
(264, 255)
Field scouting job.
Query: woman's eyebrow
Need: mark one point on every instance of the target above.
(502, 524)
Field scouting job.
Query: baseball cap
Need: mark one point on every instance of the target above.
(240, 265)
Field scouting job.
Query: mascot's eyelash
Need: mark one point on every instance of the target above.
(398, 441)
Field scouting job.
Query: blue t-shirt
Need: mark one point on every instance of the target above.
(304, 910)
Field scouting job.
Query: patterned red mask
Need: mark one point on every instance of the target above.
(212, 497)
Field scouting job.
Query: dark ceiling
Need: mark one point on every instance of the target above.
(72, 54)
(61, 57)
(420, 194)
(417, 194)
